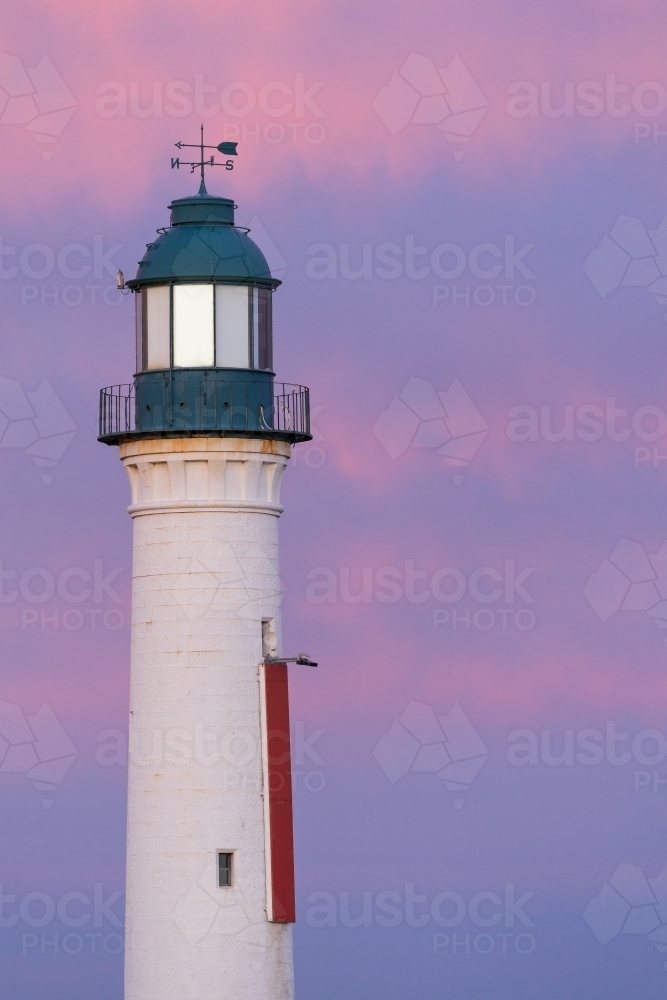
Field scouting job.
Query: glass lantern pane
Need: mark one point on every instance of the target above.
(140, 308)
(264, 323)
(193, 326)
(157, 327)
(231, 326)
(255, 327)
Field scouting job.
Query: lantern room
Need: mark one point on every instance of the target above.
(203, 293)
(204, 336)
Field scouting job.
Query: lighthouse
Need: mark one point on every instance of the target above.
(205, 433)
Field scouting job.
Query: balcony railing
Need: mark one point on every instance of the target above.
(185, 406)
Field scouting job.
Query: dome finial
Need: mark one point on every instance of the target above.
(226, 148)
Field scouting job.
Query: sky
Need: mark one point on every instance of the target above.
(466, 204)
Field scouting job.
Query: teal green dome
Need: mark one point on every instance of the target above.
(203, 244)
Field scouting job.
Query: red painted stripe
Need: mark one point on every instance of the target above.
(281, 833)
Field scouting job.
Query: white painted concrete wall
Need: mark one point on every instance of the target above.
(205, 574)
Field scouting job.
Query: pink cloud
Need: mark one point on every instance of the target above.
(525, 384)
(115, 160)
(374, 677)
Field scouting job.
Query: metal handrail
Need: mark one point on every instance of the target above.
(241, 411)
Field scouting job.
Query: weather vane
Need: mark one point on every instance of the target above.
(226, 148)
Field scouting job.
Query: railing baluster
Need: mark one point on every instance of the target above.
(118, 413)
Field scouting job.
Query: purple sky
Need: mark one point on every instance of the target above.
(489, 549)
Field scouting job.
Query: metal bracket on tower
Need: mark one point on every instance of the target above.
(302, 659)
(120, 283)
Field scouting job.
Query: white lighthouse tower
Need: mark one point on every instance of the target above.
(205, 434)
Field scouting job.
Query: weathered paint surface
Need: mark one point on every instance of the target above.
(205, 574)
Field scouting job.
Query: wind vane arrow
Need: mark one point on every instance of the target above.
(226, 148)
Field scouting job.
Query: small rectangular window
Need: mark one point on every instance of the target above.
(231, 326)
(193, 326)
(225, 868)
(269, 640)
(157, 327)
